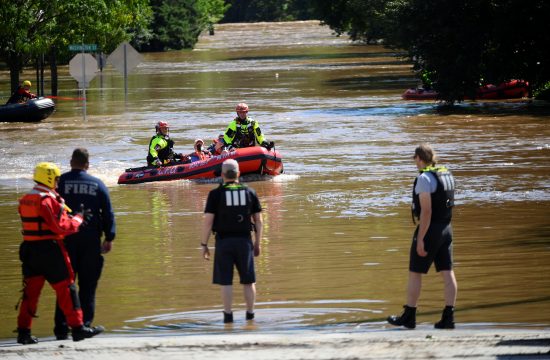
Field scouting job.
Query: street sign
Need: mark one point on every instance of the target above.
(83, 68)
(125, 58)
(83, 47)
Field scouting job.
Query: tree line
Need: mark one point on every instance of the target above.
(456, 46)
(40, 31)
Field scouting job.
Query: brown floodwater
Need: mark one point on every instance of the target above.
(337, 222)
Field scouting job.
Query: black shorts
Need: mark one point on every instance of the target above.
(438, 243)
(234, 251)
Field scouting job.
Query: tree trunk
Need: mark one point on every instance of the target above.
(37, 76)
(53, 71)
(14, 76)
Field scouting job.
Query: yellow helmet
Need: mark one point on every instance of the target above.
(27, 83)
(45, 173)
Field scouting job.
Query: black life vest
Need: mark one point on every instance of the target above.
(233, 215)
(163, 154)
(244, 136)
(443, 199)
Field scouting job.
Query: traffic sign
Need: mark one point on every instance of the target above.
(83, 68)
(83, 47)
(125, 58)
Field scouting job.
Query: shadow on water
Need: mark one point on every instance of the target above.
(323, 56)
(503, 108)
(377, 110)
(529, 237)
(385, 82)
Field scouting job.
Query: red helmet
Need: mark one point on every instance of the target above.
(242, 107)
(161, 124)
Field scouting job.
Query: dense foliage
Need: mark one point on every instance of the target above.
(269, 10)
(177, 24)
(457, 44)
(454, 45)
(360, 19)
(45, 27)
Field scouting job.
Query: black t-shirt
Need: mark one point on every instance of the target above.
(215, 196)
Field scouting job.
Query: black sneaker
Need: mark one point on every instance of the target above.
(85, 332)
(249, 316)
(407, 319)
(227, 318)
(24, 337)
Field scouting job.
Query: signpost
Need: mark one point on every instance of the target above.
(83, 47)
(83, 68)
(125, 58)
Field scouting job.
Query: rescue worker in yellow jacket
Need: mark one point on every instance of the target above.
(161, 150)
(46, 222)
(244, 131)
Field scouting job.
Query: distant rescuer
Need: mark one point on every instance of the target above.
(85, 247)
(43, 255)
(433, 200)
(244, 131)
(161, 147)
(232, 211)
(22, 94)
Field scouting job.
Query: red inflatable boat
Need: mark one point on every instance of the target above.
(252, 160)
(513, 89)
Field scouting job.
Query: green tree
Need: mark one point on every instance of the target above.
(177, 24)
(364, 20)
(33, 28)
(21, 35)
(446, 39)
(269, 10)
(519, 45)
(473, 42)
(212, 11)
(460, 44)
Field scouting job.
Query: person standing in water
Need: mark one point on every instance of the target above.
(433, 200)
(232, 211)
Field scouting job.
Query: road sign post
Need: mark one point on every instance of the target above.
(83, 68)
(125, 58)
(83, 47)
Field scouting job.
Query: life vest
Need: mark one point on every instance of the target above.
(442, 199)
(244, 136)
(164, 153)
(34, 226)
(201, 155)
(234, 210)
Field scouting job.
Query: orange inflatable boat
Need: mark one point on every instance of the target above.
(252, 160)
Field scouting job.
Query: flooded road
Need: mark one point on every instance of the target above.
(338, 225)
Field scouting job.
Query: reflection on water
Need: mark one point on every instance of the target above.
(337, 223)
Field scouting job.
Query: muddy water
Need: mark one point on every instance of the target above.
(338, 228)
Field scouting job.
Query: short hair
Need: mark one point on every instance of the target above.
(80, 157)
(426, 154)
(230, 168)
